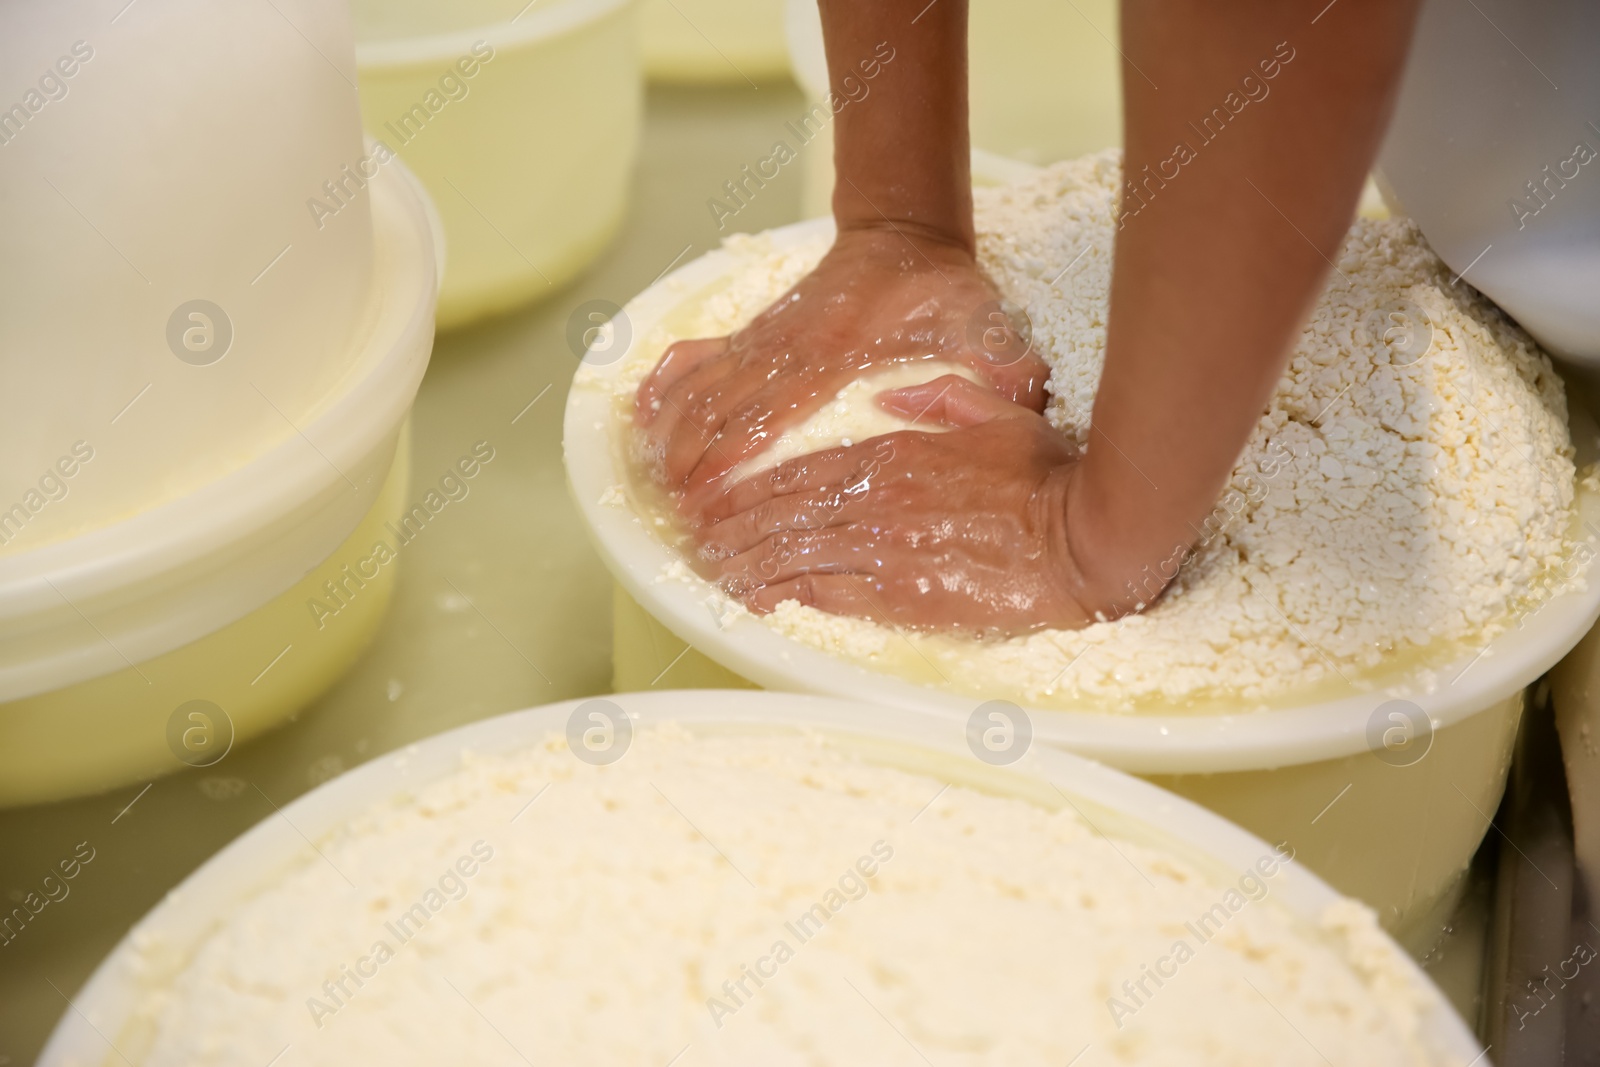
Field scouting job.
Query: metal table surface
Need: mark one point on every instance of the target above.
(503, 604)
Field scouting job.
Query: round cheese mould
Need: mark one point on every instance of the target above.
(112, 1010)
(1395, 832)
(521, 120)
(713, 42)
(147, 644)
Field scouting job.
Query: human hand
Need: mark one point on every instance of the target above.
(966, 529)
(879, 297)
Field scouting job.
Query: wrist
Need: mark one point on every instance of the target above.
(941, 219)
(920, 244)
(1075, 562)
(1112, 573)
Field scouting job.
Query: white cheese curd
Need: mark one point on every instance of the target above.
(853, 415)
(1408, 488)
(768, 900)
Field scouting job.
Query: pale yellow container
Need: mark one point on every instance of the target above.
(118, 996)
(713, 42)
(113, 730)
(1397, 836)
(524, 133)
(162, 639)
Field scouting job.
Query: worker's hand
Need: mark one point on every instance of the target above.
(880, 296)
(964, 529)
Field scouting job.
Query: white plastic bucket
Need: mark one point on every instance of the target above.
(1398, 837)
(1126, 808)
(1495, 162)
(523, 130)
(167, 301)
(100, 633)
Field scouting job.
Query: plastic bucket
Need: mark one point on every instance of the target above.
(1396, 831)
(1125, 808)
(204, 311)
(525, 134)
(104, 635)
(713, 42)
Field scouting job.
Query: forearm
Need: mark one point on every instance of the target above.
(901, 153)
(1228, 233)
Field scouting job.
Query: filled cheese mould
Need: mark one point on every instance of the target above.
(1407, 493)
(773, 898)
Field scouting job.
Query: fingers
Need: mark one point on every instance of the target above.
(998, 351)
(692, 413)
(1022, 382)
(720, 413)
(677, 402)
(773, 406)
(850, 549)
(695, 431)
(837, 594)
(680, 359)
(714, 502)
(796, 512)
(949, 400)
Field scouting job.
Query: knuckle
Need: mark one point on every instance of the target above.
(741, 586)
(786, 475)
(715, 551)
(764, 516)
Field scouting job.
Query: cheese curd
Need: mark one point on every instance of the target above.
(1409, 488)
(769, 899)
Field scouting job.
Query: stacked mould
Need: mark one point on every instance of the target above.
(215, 309)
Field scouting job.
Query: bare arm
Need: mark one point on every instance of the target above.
(903, 163)
(1227, 232)
(900, 283)
(1218, 264)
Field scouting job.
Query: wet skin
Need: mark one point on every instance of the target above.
(999, 525)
